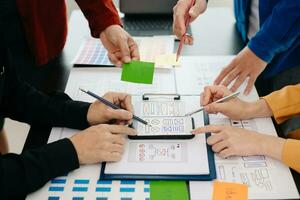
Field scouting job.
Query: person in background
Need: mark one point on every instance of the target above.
(45, 25)
(231, 141)
(270, 30)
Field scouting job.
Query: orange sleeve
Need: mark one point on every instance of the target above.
(284, 103)
(291, 154)
(100, 14)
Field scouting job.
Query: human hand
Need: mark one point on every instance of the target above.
(234, 108)
(231, 141)
(245, 64)
(181, 11)
(99, 113)
(101, 143)
(120, 45)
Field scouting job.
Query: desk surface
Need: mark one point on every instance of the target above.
(211, 38)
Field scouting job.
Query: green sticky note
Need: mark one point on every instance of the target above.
(138, 72)
(168, 190)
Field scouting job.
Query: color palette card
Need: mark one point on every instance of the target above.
(138, 72)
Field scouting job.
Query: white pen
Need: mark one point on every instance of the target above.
(224, 99)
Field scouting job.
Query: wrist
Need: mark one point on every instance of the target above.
(258, 108)
(271, 146)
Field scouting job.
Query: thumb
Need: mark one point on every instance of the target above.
(119, 114)
(123, 45)
(216, 108)
(197, 9)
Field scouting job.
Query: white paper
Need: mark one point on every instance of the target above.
(169, 157)
(196, 72)
(102, 80)
(265, 177)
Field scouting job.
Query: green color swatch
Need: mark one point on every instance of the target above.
(168, 190)
(138, 72)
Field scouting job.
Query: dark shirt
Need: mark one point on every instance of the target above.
(25, 173)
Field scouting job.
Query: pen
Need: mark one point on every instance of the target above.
(109, 104)
(187, 21)
(224, 99)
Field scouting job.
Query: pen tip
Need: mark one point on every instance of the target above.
(82, 90)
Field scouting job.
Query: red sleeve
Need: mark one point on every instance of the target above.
(100, 14)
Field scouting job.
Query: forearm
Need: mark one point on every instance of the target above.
(259, 109)
(25, 173)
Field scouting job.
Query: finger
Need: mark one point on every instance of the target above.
(227, 152)
(126, 103)
(238, 82)
(231, 76)
(217, 107)
(250, 84)
(114, 59)
(118, 129)
(118, 114)
(124, 48)
(217, 147)
(206, 95)
(114, 156)
(134, 50)
(118, 139)
(216, 138)
(116, 148)
(197, 9)
(208, 129)
(179, 17)
(223, 73)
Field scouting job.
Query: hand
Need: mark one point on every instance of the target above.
(101, 143)
(99, 113)
(245, 64)
(181, 11)
(230, 141)
(120, 45)
(234, 108)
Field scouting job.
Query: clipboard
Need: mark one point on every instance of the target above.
(202, 177)
(188, 122)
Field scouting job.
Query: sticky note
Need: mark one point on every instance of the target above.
(169, 190)
(138, 72)
(229, 191)
(165, 60)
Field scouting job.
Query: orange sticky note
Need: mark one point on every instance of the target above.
(229, 191)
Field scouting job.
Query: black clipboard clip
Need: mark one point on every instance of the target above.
(147, 96)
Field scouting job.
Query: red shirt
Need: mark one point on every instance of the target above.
(45, 23)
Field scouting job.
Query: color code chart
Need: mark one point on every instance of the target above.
(92, 52)
(82, 184)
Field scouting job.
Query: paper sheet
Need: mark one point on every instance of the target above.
(138, 72)
(84, 183)
(260, 173)
(227, 191)
(166, 60)
(147, 156)
(102, 80)
(196, 72)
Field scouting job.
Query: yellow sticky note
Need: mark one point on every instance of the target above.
(229, 191)
(166, 60)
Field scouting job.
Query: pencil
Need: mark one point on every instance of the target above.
(111, 105)
(224, 99)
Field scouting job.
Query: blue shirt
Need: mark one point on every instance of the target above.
(278, 40)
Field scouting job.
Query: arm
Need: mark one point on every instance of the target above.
(284, 103)
(23, 103)
(278, 32)
(25, 173)
(100, 14)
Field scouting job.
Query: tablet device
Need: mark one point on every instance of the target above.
(171, 127)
